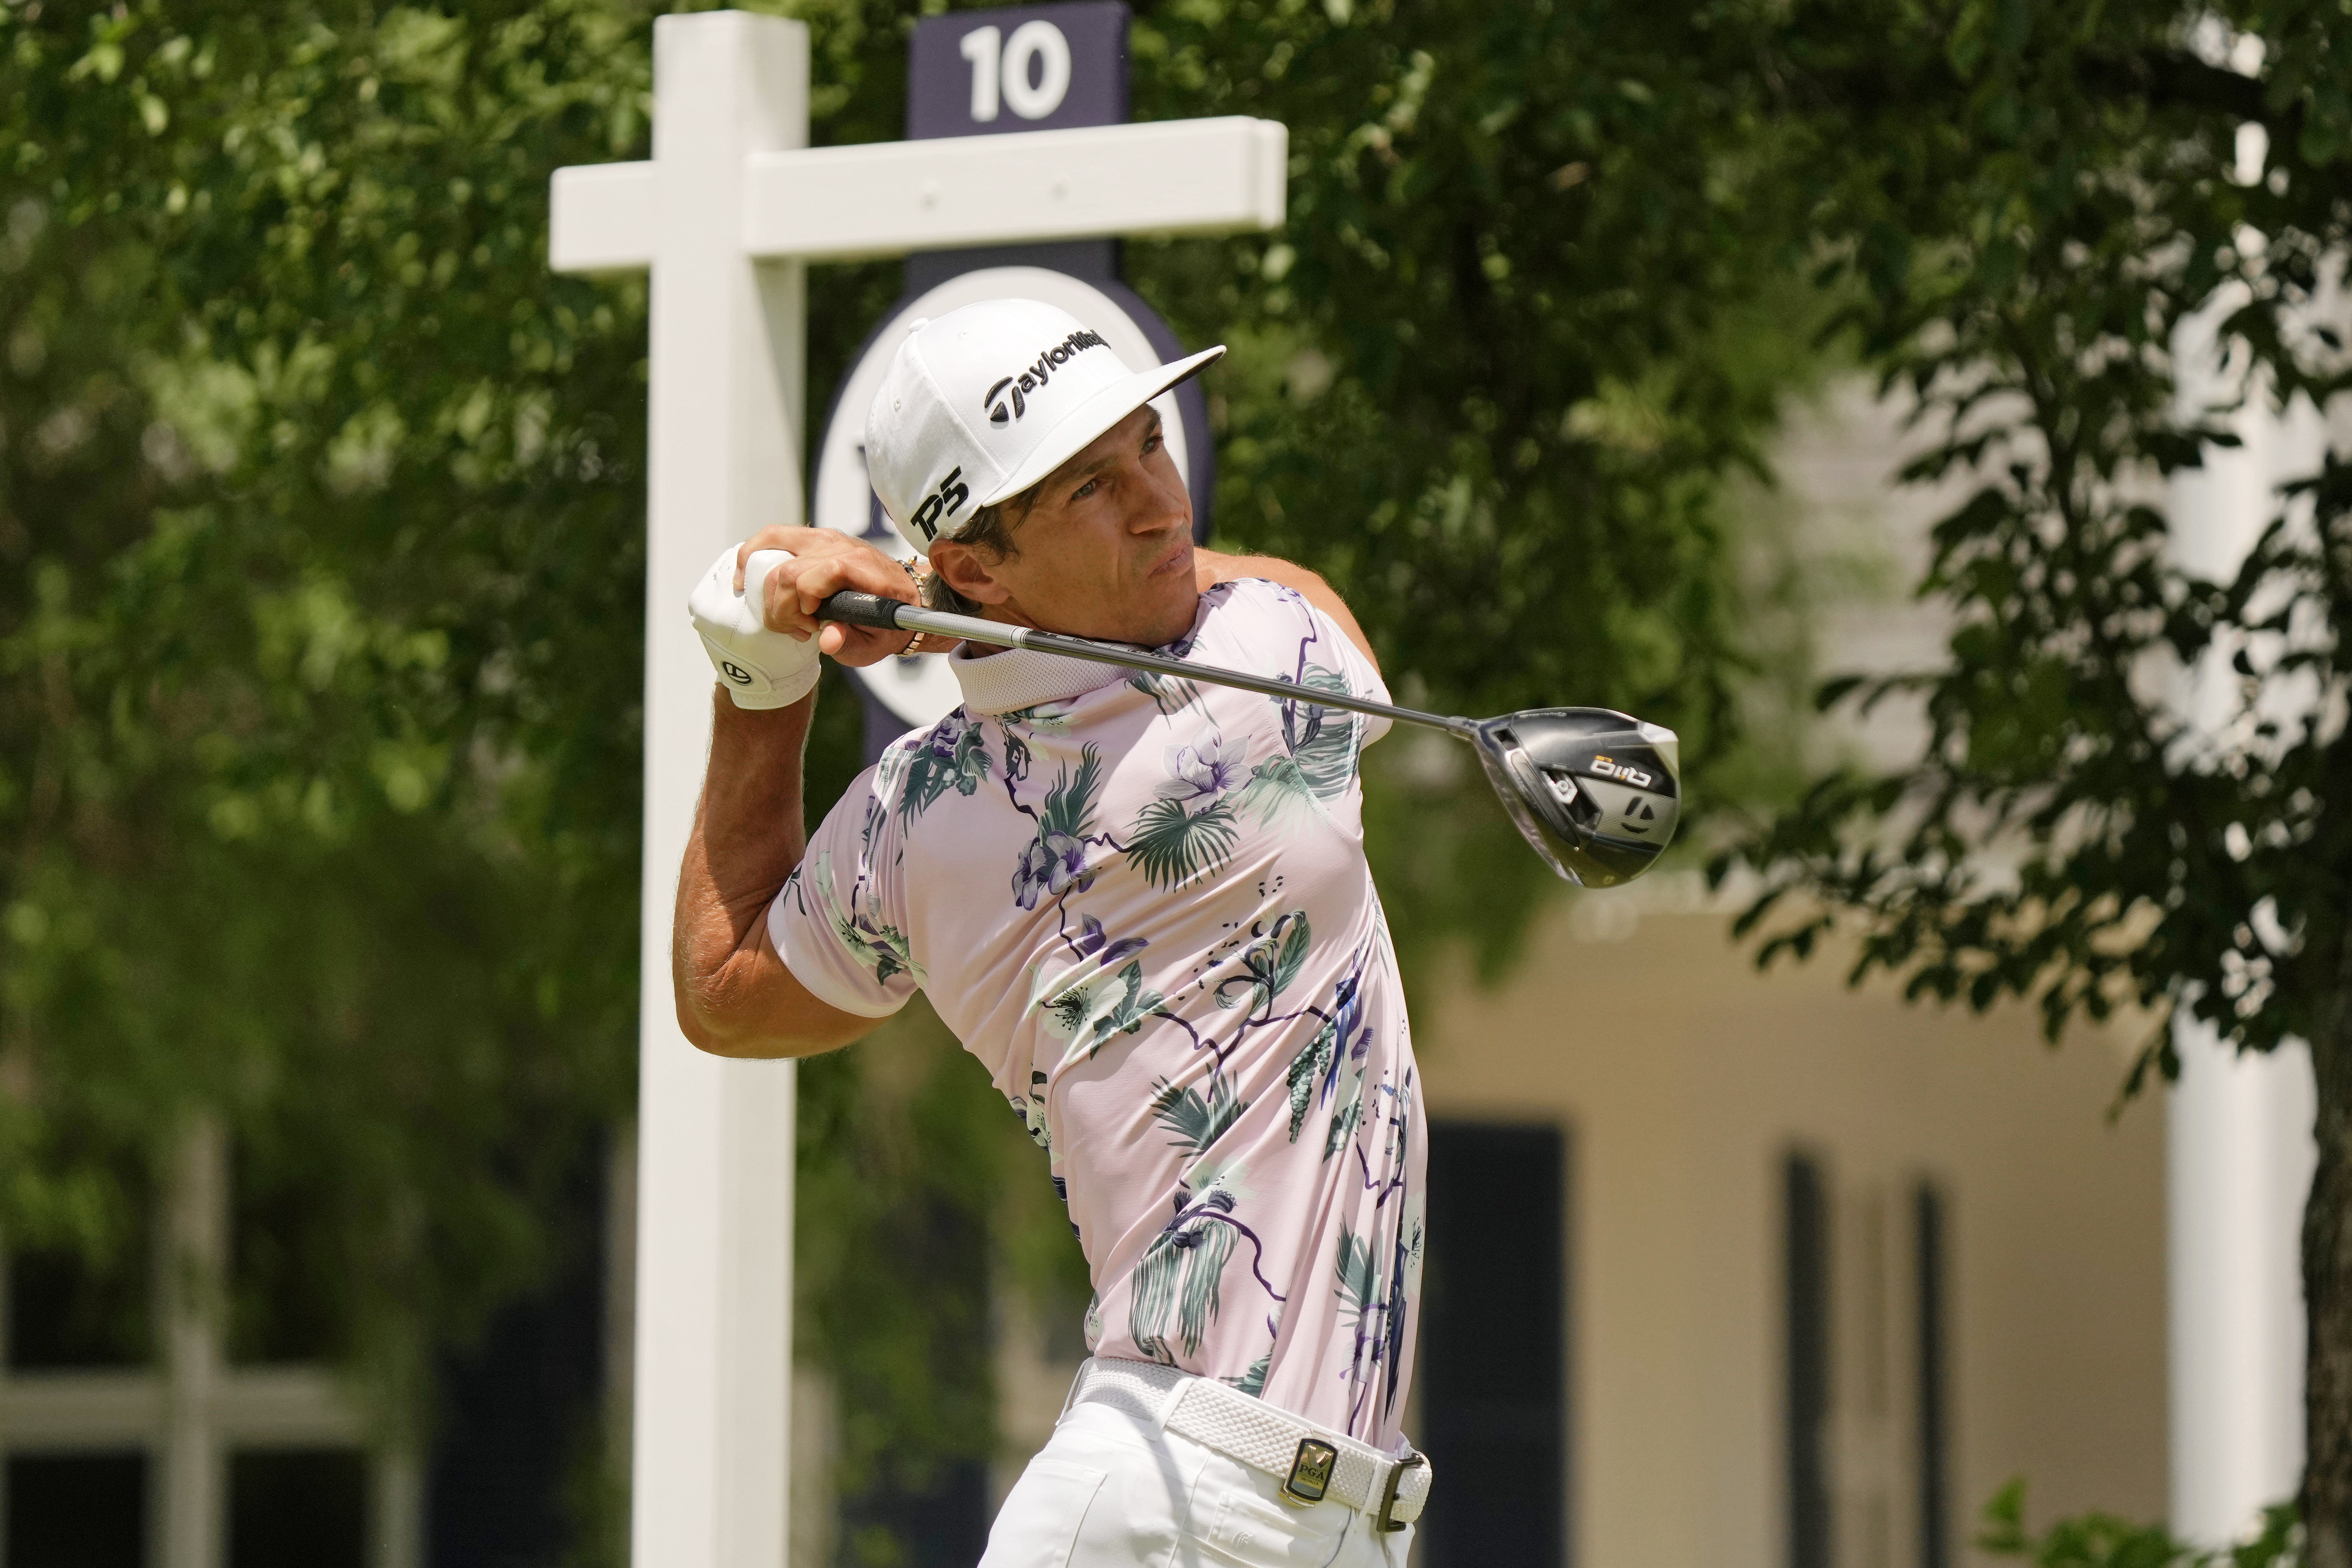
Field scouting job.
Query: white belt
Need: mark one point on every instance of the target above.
(1313, 1464)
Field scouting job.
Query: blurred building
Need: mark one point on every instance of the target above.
(1831, 1269)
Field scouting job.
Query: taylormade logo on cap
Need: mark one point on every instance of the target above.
(984, 402)
(1033, 376)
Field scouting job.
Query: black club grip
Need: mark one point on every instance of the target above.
(861, 610)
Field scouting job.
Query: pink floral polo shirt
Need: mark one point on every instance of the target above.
(1143, 904)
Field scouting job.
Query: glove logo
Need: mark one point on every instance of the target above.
(735, 672)
(948, 500)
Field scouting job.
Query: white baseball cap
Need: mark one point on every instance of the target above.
(985, 400)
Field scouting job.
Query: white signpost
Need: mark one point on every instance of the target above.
(727, 214)
(2239, 1151)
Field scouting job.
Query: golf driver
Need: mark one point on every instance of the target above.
(1596, 791)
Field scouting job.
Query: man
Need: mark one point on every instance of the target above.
(1142, 903)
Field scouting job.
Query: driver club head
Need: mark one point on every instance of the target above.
(1596, 791)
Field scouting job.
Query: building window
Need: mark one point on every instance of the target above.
(64, 1315)
(77, 1511)
(1805, 1250)
(282, 1254)
(1866, 1369)
(1930, 1231)
(136, 1437)
(297, 1508)
(1493, 1346)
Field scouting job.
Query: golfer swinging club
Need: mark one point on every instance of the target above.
(1140, 902)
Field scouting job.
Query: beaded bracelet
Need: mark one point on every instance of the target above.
(915, 643)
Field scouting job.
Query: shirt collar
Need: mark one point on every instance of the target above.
(1018, 678)
(1021, 678)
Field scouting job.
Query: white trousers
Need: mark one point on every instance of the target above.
(1108, 1491)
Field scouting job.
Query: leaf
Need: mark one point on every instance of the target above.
(1172, 846)
(1832, 692)
(1313, 1060)
(1276, 791)
(1358, 1274)
(1269, 964)
(1322, 741)
(2003, 1531)
(1343, 1125)
(1171, 695)
(1179, 1275)
(1197, 1121)
(1137, 1002)
(1295, 945)
(1070, 802)
(930, 774)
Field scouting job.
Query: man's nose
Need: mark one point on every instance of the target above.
(1164, 503)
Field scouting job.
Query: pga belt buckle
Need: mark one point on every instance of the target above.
(1309, 1481)
(1310, 1472)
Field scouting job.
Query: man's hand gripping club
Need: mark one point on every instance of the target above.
(754, 609)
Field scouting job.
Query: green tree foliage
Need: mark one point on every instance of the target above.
(320, 521)
(2028, 202)
(2103, 1540)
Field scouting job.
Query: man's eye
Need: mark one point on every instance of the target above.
(1084, 491)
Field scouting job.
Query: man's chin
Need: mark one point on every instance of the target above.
(1183, 609)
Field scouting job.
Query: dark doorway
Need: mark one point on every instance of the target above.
(1931, 1228)
(520, 1412)
(912, 1508)
(1493, 1346)
(1805, 1243)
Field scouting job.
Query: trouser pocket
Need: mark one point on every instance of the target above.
(1042, 1514)
(1237, 1516)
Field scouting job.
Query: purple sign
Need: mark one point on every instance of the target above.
(1023, 68)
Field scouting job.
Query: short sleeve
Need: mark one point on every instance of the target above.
(1362, 676)
(839, 923)
(1270, 626)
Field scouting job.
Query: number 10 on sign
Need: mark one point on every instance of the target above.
(1001, 67)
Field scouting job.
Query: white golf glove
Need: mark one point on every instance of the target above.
(760, 668)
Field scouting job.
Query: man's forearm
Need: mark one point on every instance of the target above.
(749, 835)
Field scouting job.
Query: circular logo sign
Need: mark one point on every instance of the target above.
(921, 690)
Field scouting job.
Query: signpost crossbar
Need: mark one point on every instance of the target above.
(1176, 177)
(844, 204)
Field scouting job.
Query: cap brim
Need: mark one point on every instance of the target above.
(1098, 414)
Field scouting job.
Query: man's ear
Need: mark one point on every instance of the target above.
(963, 569)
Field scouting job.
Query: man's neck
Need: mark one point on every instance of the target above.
(1004, 616)
(1010, 615)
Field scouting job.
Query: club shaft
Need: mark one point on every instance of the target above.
(871, 610)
